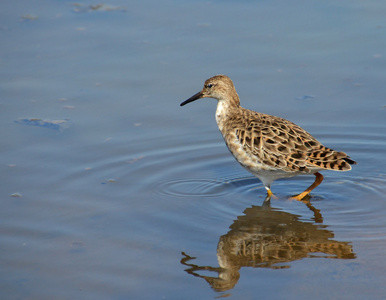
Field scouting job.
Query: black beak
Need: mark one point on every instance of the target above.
(193, 98)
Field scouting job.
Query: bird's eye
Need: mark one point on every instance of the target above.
(209, 85)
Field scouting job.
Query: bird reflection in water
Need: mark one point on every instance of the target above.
(266, 237)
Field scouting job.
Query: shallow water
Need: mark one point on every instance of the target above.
(111, 190)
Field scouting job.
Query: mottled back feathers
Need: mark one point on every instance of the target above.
(281, 144)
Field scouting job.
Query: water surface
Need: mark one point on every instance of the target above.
(111, 190)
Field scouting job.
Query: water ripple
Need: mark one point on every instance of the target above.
(192, 188)
(201, 166)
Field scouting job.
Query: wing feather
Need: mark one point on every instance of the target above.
(282, 144)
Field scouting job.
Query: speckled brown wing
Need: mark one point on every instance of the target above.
(326, 158)
(281, 144)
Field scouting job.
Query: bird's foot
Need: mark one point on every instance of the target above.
(301, 197)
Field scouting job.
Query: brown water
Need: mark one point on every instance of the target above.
(111, 190)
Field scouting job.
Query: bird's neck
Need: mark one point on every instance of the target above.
(225, 109)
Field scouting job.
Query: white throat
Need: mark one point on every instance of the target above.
(221, 112)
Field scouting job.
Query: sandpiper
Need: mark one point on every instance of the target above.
(269, 147)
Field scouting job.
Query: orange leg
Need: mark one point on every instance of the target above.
(270, 194)
(318, 180)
